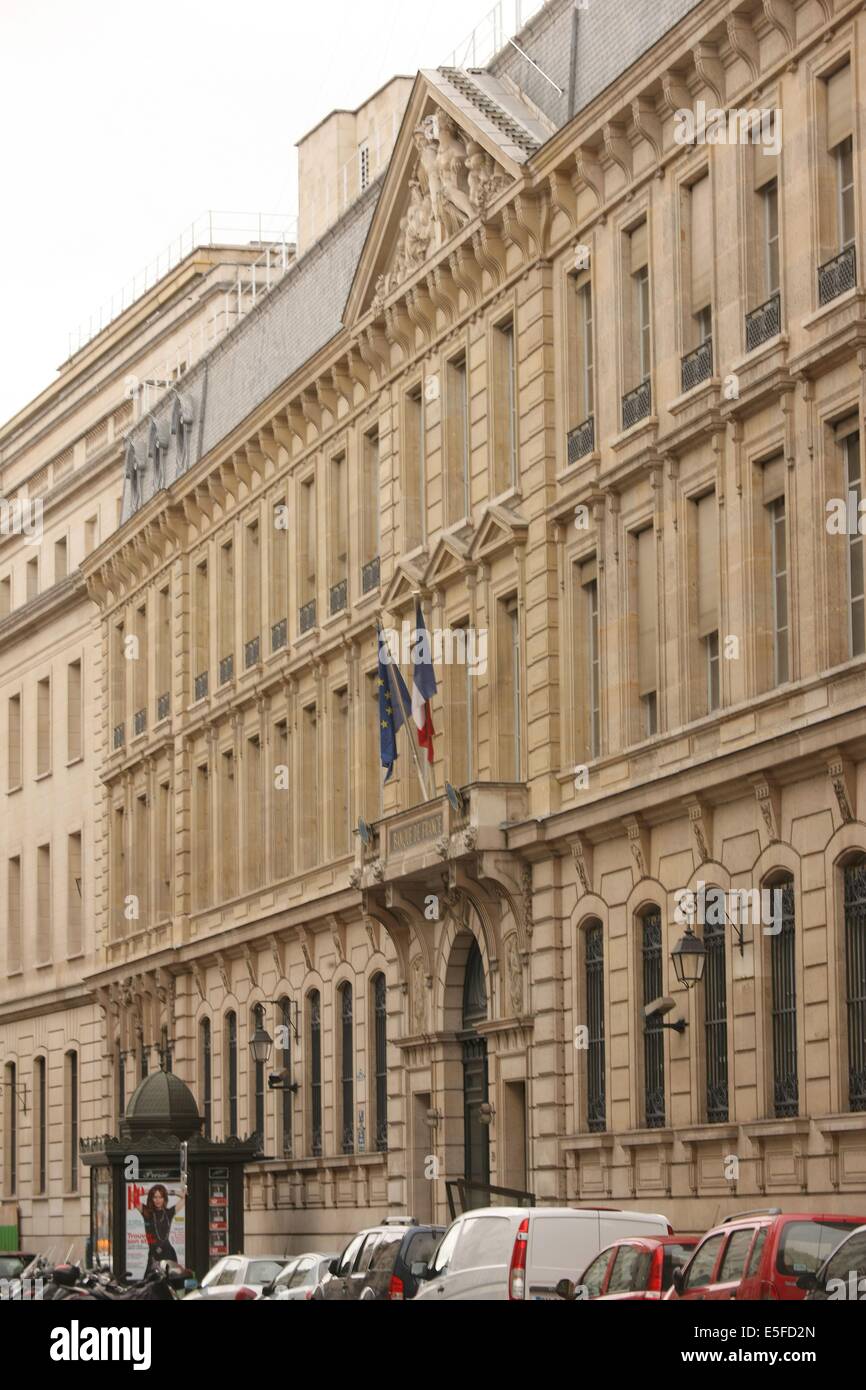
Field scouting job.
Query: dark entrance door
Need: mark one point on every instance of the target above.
(476, 1136)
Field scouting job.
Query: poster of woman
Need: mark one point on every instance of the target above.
(155, 1225)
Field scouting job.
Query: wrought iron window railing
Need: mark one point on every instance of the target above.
(279, 634)
(227, 668)
(786, 1085)
(581, 440)
(307, 616)
(654, 1052)
(339, 596)
(837, 275)
(200, 685)
(163, 705)
(636, 404)
(697, 366)
(764, 323)
(139, 722)
(251, 652)
(596, 1109)
(370, 575)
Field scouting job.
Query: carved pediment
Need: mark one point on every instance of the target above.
(448, 561)
(444, 174)
(500, 529)
(406, 582)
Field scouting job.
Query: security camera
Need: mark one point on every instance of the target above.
(658, 1008)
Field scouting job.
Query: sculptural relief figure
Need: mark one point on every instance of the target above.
(419, 1002)
(451, 161)
(484, 181)
(515, 973)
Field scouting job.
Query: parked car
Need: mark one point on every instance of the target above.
(639, 1267)
(239, 1276)
(523, 1252)
(379, 1262)
(299, 1278)
(846, 1266)
(760, 1255)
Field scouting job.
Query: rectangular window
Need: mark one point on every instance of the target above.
(15, 763)
(369, 506)
(228, 827)
(202, 844)
(586, 406)
(307, 545)
(73, 711)
(838, 220)
(704, 558)
(593, 672)
(309, 788)
(13, 915)
(118, 870)
(40, 1102)
(502, 406)
(653, 1033)
(74, 894)
(711, 645)
(770, 198)
(201, 629)
(643, 323)
(163, 653)
(508, 690)
(279, 574)
(595, 1058)
(61, 560)
(339, 532)
(413, 470)
(856, 627)
(456, 428)
(845, 192)
(164, 817)
(779, 571)
(701, 260)
(139, 671)
(783, 971)
(70, 1093)
(254, 813)
(340, 772)
(118, 682)
(373, 770)
(5, 596)
(226, 603)
(460, 686)
(43, 726)
(648, 640)
(44, 922)
(142, 861)
(32, 578)
(91, 534)
(281, 801)
(638, 341)
(252, 595)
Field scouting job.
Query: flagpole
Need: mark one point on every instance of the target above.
(410, 726)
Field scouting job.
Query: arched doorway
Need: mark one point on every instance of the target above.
(476, 1135)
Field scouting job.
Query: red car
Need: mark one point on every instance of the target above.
(760, 1255)
(639, 1267)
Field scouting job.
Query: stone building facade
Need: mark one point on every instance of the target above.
(585, 386)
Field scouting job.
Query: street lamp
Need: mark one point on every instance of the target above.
(260, 1045)
(689, 957)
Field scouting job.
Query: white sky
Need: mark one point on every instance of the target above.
(122, 123)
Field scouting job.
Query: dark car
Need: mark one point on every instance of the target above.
(760, 1255)
(377, 1262)
(635, 1268)
(843, 1275)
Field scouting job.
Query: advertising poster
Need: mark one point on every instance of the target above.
(218, 1214)
(101, 1207)
(155, 1225)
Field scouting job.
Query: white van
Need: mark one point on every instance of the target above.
(523, 1252)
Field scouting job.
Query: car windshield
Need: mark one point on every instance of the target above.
(263, 1271)
(12, 1265)
(806, 1244)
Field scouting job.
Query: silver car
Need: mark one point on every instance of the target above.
(299, 1278)
(240, 1276)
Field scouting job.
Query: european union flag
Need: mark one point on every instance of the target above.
(394, 700)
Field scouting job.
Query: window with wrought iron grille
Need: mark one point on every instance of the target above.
(596, 1111)
(347, 1070)
(205, 1074)
(285, 1015)
(716, 1020)
(314, 1070)
(231, 1096)
(380, 1061)
(783, 976)
(363, 166)
(854, 875)
(653, 1049)
(257, 1021)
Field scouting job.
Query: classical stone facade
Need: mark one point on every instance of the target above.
(586, 389)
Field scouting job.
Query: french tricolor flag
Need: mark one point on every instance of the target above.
(423, 684)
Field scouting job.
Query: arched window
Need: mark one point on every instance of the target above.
(285, 1015)
(10, 1129)
(380, 1060)
(715, 1008)
(653, 1035)
(230, 1099)
(593, 947)
(854, 876)
(205, 1065)
(783, 977)
(41, 1104)
(257, 1020)
(347, 1070)
(314, 1070)
(70, 1078)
